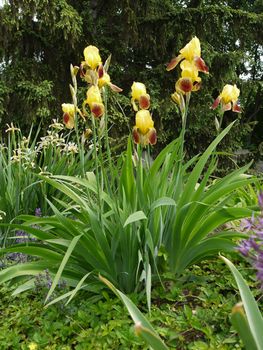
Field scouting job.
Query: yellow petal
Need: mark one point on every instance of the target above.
(92, 56)
(191, 49)
(93, 95)
(138, 89)
(230, 93)
(104, 80)
(68, 108)
(190, 71)
(144, 121)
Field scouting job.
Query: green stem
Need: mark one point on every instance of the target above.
(94, 134)
(221, 115)
(105, 97)
(184, 120)
(80, 144)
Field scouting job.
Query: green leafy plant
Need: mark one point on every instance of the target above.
(23, 158)
(134, 219)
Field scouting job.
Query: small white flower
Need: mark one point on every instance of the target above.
(2, 214)
(70, 147)
(11, 128)
(56, 125)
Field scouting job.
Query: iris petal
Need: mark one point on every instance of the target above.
(173, 63)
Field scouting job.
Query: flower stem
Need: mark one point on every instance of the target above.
(94, 134)
(105, 97)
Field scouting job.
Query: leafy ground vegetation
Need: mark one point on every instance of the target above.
(193, 313)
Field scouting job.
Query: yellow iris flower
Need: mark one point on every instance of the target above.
(92, 57)
(69, 115)
(139, 94)
(138, 90)
(94, 101)
(228, 98)
(144, 131)
(192, 53)
(93, 95)
(189, 81)
(230, 93)
(144, 121)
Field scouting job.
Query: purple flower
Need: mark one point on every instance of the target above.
(38, 212)
(260, 200)
(247, 224)
(244, 247)
(22, 237)
(252, 248)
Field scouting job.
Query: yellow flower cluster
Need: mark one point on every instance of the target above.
(95, 74)
(143, 132)
(93, 71)
(191, 65)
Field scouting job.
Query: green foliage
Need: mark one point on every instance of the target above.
(117, 223)
(86, 324)
(249, 328)
(142, 327)
(193, 315)
(23, 158)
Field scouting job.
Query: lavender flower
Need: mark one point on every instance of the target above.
(17, 257)
(260, 200)
(252, 248)
(38, 212)
(44, 281)
(22, 237)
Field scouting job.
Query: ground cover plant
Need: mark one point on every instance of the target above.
(130, 222)
(194, 315)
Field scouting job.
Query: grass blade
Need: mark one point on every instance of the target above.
(62, 265)
(142, 325)
(254, 317)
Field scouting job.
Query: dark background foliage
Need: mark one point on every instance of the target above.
(40, 38)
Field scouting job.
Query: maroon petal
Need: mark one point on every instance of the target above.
(144, 102)
(200, 65)
(236, 108)
(97, 109)
(100, 71)
(66, 118)
(81, 71)
(216, 102)
(185, 84)
(152, 136)
(135, 135)
(173, 63)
